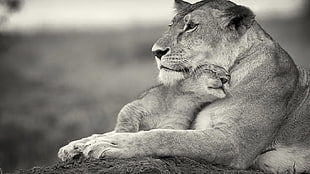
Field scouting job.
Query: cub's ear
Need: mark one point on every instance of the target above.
(179, 5)
(237, 18)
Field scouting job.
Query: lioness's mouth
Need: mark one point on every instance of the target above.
(184, 70)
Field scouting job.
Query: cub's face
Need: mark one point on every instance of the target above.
(199, 34)
(206, 84)
(207, 79)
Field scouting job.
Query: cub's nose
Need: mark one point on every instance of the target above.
(159, 52)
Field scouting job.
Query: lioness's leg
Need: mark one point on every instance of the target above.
(210, 144)
(284, 160)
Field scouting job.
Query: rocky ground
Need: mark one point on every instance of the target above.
(170, 165)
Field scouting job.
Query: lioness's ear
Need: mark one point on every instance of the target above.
(179, 5)
(237, 18)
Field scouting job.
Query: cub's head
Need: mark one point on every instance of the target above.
(206, 83)
(207, 32)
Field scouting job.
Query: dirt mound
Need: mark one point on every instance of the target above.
(169, 165)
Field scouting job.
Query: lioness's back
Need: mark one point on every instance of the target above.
(297, 128)
(291, 145)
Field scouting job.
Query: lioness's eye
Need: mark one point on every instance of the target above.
(190, 27)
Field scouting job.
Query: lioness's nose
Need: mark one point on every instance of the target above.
(159, 51)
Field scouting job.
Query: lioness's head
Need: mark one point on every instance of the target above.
(207, 32)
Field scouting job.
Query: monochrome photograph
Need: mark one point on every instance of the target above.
(145, 86)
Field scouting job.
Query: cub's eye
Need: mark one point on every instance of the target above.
(190, 27)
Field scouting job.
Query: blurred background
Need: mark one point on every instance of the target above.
(68, 66)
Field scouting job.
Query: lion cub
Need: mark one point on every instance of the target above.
(174, 107)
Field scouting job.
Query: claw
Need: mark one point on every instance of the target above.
(102, 154)
(77, 146)
(98, 150)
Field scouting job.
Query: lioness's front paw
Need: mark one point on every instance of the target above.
(77, 147)
(69, 151)
(118, 145)
(73, 148)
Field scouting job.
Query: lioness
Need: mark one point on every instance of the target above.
(264, 123)
(174, 106)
